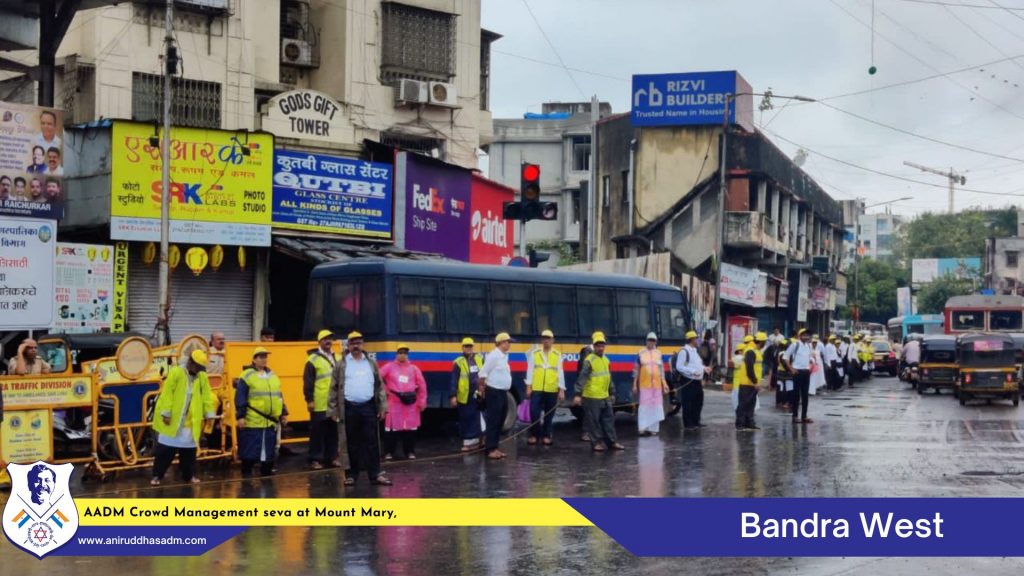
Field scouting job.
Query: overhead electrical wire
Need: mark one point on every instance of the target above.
(553, 49)
(961, 5)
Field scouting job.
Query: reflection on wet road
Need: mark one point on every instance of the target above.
(880, 439)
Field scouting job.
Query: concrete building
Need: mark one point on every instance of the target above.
(414, 74)
(877, 234)
(852, 211)
(1003, 269)
(557, 139)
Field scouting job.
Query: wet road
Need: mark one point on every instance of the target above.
(877, 440)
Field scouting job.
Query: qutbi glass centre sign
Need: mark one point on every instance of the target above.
(220, 186)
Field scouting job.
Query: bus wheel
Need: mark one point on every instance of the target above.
(510, 414)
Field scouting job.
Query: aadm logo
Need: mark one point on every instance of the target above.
(40, 516)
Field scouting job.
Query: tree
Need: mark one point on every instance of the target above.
(872, 284)
(959, 235)
(931, 299)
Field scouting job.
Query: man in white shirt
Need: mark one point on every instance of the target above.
(357, 401)
(798, 358)
(912, 352)
(494, 382)
(691, 391)
(831, 358)
(47, 137)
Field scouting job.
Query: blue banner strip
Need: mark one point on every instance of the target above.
(147, 540)
(810, 527)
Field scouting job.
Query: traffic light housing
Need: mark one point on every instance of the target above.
(529, 207)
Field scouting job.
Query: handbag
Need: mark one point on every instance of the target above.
(407, 398)
(523, 412)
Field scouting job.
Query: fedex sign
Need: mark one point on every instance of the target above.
(437, 201)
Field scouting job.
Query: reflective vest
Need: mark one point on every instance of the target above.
(737, 365)
(264, 396)
(865, 354)
(545, 375)
(322, 386)
(600, 382)
(744, 380)
(651, 373)
(462, 392)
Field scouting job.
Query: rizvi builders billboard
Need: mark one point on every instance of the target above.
(691, 99)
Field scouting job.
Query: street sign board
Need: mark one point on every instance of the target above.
(690, 99)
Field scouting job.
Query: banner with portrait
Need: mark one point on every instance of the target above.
(31, 161)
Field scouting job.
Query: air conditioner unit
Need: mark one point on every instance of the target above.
(296, 53)
(443, 94)
(409, 91)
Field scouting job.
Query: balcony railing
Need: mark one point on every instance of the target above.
(752, 230)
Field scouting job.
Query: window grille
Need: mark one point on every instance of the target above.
(194, 103)
(417, 43)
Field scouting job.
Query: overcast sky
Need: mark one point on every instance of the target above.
(815, 48)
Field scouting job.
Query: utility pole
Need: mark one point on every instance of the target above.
(953, 177)
(170, 68)
(595, 116)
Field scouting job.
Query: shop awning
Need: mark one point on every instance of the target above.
(320, 251)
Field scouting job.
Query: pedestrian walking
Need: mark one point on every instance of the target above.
(650, 387)
(830, 355)
(185, 401)
(799, 358)
(593, 392)
(464, 395)
(494, 383)
(844, 359)
(260, 413)
(357, 402)
(691, 391)
(316, 388)
(853, 360)
(545, 388)
(407, 398)
(749, 382)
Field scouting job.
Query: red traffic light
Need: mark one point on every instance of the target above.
(531, 172)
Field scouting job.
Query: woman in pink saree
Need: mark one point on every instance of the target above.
(407, 397)
(649, 387)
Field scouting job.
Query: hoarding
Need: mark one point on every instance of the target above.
(491, 239)
(84, 294)
(220, 186)
(925, 270)
(26, 272)
(307, 115)
(31, 161)
(690, 99)
(744, 286)
(437, 197)
(331, 194)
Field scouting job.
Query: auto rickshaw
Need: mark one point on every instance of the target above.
(987, 368)
(938, 368)
(1018, 341)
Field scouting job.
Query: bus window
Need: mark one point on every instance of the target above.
(513, 308)
(671, 323)
(419, 305)
(595, 310)
(555, 310)
(466, 310)
(344, 305)
(1004, 320)
(967, 319)
(634, 313)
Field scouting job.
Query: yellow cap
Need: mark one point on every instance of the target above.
(547, 334)
(503, 336)
(691, 335)
(260, 351)
(598, 338)
(353, 335)
(857, 338)
(815, 338)
(199, 357)
(761, 337)
(784, 342)
(801, 332)
(324, 334)
(748, 339)
(401, 347)
(468, 342)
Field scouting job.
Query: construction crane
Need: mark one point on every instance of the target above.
(952, 176)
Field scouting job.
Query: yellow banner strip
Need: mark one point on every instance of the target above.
(327, 512)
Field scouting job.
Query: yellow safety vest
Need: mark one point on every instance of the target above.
(462, 392)
(322, 386)
(545, 379)
(744, 380)
(600, 382)
(264, 396)
(737, 365)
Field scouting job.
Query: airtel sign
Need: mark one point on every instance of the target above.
(491, 238)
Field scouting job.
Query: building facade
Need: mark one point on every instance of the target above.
(878, 233)
(1003, 271)
(852, 211)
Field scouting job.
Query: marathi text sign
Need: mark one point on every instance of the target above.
(26, 436)
(220, 186)
(744, 286)
(84, 294)
(31, 161)
(27, 248)
(331, 194)
(57, 391)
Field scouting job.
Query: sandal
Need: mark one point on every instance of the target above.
(382, 480)
(617, 446)
(599, 448)
(388, 457)
(532, 441)
(548, 442)
(467, 448)
(194, 480)
(410, 457)
(154, 482)
(316, 466)
(495, 455)
(349, 481)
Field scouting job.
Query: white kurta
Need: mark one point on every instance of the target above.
(818, 370)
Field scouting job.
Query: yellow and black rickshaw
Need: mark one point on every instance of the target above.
(938, 368)
(987, 368)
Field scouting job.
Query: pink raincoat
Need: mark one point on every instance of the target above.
(403, 377)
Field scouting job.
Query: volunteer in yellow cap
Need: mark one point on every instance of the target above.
(185, 401)
(260, 412)
(494, 384)
(464, 395)
(691, 370)
(595, 393)
(799, 358)
(316, 385)
(830, 357)
(545, 387)
(748, 382)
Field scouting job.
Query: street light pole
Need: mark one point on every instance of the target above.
(170, 64)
